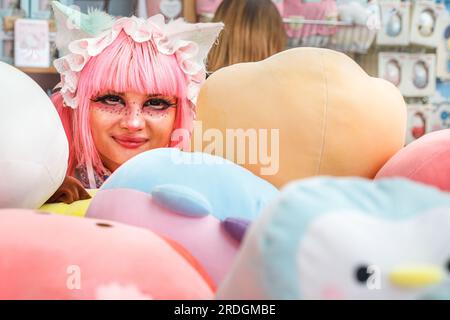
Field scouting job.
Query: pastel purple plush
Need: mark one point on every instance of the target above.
(204, 236)
(236, 227)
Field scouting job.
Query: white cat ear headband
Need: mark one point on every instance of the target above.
(83, 36)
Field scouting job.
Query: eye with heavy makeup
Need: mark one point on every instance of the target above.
(155, 102)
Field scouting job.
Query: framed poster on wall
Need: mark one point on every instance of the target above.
(31, 43)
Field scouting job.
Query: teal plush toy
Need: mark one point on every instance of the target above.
(349, 238)
(195, 180)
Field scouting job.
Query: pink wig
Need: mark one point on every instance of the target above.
(123, 66)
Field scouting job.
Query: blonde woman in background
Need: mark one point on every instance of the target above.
(253, 31)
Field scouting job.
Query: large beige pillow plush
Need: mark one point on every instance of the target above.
(333, 118)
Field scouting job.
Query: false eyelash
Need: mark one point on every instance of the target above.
(103, 98)
(167, 104)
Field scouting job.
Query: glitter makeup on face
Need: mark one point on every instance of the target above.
(120, 108)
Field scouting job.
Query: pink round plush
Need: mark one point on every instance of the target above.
(425, 160)
(204, 236)
(58, 257)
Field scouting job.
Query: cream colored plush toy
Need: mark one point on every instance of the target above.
(320, 112)
(33, 146)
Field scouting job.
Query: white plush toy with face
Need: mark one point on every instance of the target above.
(347, 239)
(33, 145)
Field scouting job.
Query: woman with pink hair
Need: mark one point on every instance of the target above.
(127, 86)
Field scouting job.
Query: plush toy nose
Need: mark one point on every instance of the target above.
(416, 276)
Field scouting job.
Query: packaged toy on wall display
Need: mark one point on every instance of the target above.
(440, 114)
(395, 23)
(413, 74)
(426, 24)
(443, 49)
(391, 66)
(419, 75)
(419, 121)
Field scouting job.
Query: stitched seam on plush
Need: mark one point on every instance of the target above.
(324, 124)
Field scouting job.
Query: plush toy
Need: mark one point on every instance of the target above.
(76, 208)
(33, 145)
(311, 10)
(177, 213)
(346, 238)
(424, 160)
(353, 12)
(362, 19)
(56, 257)
(325, 114)
(223, 188)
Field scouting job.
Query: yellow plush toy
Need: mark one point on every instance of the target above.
(301, 113)
(76, 209)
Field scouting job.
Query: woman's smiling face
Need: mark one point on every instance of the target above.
(126, 124)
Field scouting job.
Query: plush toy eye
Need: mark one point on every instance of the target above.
(362, 273)
(448, 265)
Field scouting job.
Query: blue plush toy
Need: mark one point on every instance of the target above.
(195, 180)
(347, 238)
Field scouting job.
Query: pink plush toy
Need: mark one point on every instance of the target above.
(57, 257)
(210, 6)
(314, 10)
(178, 213)
(425, 160)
